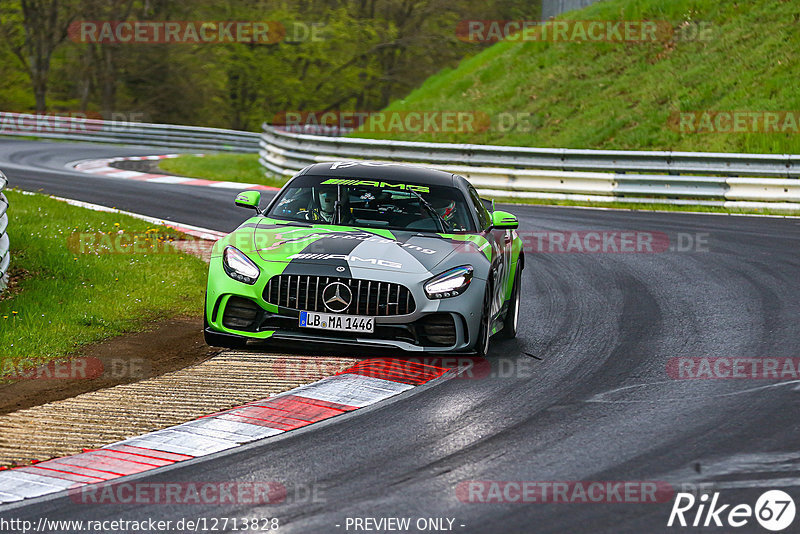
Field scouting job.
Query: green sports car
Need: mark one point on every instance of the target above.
(369, 254)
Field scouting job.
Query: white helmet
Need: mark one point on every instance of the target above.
(327, 197)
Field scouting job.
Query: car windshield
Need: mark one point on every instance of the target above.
(374, 204)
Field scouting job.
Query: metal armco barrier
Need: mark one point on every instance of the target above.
(127, 132)
(5, 255)
(743, 180)
(553, 8)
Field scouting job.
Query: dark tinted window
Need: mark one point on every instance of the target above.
(392, 205)
(484, 219)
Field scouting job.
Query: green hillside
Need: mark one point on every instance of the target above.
(615, 95)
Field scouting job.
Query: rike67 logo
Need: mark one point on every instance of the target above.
(774, 510)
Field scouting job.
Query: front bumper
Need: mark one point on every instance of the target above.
(445, 325)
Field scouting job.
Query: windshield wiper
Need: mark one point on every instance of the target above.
(284, 222)
(431, 235)
(443, 223)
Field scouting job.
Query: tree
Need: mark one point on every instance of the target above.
(34, 28)
(100, 59)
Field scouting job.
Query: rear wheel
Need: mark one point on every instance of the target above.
(485, 331)
(511, 321)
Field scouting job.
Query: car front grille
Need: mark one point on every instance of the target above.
(304, 292)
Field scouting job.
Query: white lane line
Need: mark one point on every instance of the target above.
(233, 185)
(196, 231)
(120, 173)
(606, 397)
(169, 179)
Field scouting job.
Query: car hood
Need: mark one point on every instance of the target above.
(328, 246)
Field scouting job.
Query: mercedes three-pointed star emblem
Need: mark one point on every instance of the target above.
(337, 297)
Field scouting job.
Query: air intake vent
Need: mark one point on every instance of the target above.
(241, 314)
(438, 329)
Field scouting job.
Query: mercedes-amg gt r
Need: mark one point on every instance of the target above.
(369, 254)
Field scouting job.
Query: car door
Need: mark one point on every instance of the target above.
(500, 242)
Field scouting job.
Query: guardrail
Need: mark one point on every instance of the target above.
(127, 132)
(553, 8)
(744, 180)
(5, 255)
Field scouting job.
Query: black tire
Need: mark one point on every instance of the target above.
(511, 322)
(484, 333)
(220, 340)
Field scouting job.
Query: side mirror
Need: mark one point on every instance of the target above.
(249, 199)
(502, 220)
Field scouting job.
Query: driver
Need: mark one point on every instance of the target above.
(325, 208)
(446, 209)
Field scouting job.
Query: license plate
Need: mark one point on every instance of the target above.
(337, 322)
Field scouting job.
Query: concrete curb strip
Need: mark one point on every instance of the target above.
(363, 384)
(104, 167)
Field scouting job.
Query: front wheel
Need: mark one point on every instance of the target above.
(511, 321)
(485, 332)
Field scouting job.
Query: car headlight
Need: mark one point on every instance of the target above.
(450, 283)
(238, 266)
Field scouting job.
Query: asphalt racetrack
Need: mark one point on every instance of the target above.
(586, 392)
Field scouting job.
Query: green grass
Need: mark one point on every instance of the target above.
(61, 300)
(621, 96)
(223, 167)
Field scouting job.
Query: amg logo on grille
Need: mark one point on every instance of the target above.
(345, 257)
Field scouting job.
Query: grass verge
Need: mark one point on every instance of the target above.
(59, 299)
(725, 55)
(223, 167)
